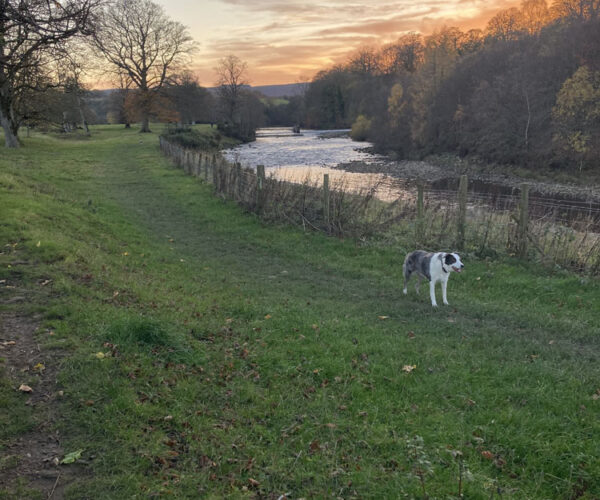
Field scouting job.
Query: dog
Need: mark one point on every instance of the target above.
(433, 267)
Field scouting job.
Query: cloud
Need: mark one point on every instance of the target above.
(280, 40)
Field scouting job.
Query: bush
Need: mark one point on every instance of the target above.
(360, 128)
(190, 138)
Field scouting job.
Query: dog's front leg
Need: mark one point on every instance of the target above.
(432, 293)
(444, 298)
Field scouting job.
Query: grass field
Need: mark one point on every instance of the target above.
(242, 360)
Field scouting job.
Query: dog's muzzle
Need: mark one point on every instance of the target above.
(457, 269)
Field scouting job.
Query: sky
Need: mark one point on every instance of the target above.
(289, 41)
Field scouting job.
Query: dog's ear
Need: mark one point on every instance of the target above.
(449, 259)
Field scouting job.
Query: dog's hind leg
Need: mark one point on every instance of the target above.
(406, 273)
(418, 283)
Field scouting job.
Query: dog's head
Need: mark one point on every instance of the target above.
(453, 262)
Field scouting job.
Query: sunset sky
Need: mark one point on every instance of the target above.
(287, 41)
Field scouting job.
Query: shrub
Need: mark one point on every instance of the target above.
(360, 128)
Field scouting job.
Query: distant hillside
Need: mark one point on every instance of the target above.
(285, 90)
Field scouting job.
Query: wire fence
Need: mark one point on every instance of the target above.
(563, 233)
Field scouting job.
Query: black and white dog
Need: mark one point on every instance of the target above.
(432, 266)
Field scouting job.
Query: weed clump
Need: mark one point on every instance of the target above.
(138, 330)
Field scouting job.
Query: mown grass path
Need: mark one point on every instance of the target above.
(249, 360)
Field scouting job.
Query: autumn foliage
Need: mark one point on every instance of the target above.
(524, 90)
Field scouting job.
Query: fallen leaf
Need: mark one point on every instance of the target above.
(411, 335)
(268, 316)
(383, 317)
(39, 367)
(315, 445)
(9, 342)
(25, 388)
(100, 355)
(71, 457)
(253, 483)
(488, 455)
(408, 368)
(38, 244)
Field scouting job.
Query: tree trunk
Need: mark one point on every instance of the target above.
(145, 124)
(146, 105)
(11, 139)
(82, 115)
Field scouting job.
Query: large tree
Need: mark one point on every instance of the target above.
(231, 79)
(140, 41)
(30, 31)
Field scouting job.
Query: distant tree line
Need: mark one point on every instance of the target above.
(525, 90)
(49, 52)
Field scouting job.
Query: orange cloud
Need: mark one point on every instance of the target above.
(285, 41)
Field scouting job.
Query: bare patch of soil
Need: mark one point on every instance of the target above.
(32, 460)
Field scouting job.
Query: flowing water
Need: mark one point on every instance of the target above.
(312, 153)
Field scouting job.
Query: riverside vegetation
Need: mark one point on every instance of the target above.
(203, 353)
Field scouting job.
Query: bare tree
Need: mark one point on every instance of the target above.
(140, 41)
(231, 79)
(30, 30)
(71, 72)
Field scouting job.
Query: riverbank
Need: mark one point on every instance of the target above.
(437, 170)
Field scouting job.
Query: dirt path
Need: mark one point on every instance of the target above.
(30, 462)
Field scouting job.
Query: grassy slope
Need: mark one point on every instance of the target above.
(255, 359)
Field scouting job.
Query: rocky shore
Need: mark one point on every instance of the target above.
(440, 171)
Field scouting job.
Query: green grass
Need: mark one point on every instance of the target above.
(242, 359)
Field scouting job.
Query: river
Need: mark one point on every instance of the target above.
(312, 153)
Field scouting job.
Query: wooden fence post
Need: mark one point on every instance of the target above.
(197, 158)
(238, 176)
(213, 164)
(523, 221)
(260, 179)
(326, 213)
(420, 209)
(206, 166)
(462, 211)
